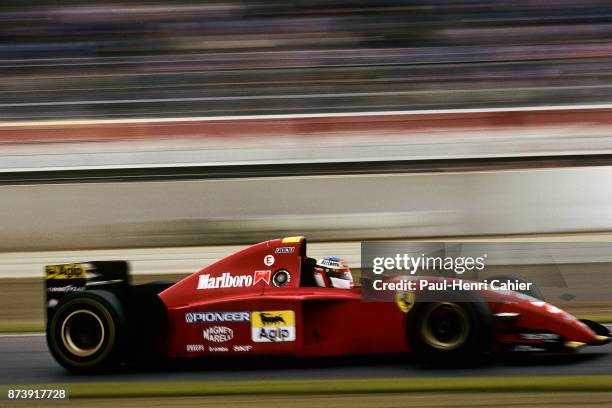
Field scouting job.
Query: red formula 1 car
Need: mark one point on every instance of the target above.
(271, 299)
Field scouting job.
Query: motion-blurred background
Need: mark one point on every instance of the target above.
(168, 133)
(75, 59)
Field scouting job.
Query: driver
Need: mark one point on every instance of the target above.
(333, 272)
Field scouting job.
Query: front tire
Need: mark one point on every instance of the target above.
(85, 333)
(452, 332)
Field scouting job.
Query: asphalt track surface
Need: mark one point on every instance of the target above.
(25, 359)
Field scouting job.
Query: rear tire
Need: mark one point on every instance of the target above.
(451, 332)
(86, 332)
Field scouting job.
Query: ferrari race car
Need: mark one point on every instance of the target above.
(272, 299)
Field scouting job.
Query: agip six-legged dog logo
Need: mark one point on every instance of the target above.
(269, 318)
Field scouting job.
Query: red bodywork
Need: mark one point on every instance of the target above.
(304, 320)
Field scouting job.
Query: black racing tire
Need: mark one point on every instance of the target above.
(534, 291)
(453, 329)
(86, 332)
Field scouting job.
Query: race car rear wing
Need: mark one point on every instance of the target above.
(61, 280)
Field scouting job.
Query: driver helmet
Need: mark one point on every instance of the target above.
(333, 272)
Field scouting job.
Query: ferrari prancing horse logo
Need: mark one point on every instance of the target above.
(404, 300)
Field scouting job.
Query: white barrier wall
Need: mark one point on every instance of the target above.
(329, 208)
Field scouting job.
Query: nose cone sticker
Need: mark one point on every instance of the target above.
(273, 326)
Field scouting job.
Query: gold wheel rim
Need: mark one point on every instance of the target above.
(69, 326)
(445, 335)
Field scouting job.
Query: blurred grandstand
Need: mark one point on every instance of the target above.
(96, 59)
